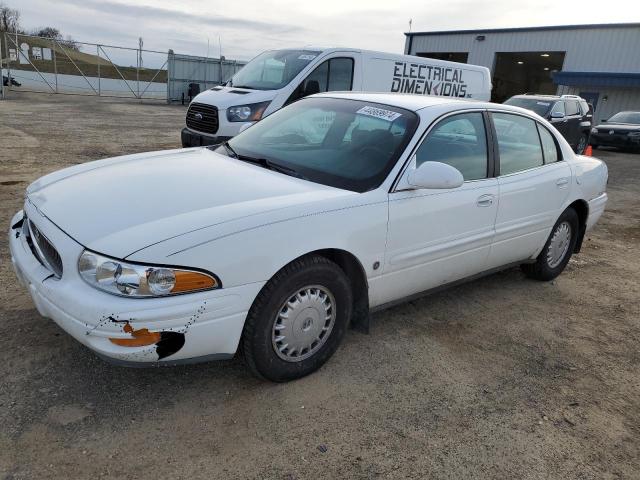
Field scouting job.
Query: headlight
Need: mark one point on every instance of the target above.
(634, 134)
(594, 130)
(131, 280)
(247, 113)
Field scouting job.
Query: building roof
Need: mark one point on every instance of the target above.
(529, 29)
(597, 79)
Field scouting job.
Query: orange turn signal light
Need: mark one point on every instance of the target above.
(189, 281)
(140, 338)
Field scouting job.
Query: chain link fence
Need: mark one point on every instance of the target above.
(38, 64)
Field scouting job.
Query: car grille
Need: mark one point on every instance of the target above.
(202, 118)
(44, 251)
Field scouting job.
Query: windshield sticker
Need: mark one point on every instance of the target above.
(307, 57)
(387, 115)
(544, 104)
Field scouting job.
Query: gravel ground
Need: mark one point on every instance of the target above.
(499, 378)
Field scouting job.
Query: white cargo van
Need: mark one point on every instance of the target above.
(276, 78)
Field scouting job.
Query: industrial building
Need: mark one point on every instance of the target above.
(598, 62)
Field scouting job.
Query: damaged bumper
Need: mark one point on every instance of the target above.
(192, 327)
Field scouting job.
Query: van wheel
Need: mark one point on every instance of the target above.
(298, 320)
(557, 251)
(582, 144)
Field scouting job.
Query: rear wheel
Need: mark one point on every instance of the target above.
(298, 320)
(557, 251)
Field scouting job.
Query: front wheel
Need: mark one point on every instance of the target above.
(298, 320)
(557, 251)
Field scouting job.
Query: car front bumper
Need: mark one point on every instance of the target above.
(615, 140)
(193, 327)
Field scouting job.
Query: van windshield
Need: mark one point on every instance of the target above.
(273, 69)
(348, 144)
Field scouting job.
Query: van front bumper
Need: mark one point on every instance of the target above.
(192, 327)
(193, 139)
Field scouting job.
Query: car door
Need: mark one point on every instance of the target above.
(534, 183)
(574, 118)
(439, 236)
(560, 123)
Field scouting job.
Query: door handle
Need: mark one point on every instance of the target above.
(561, 182)
(484, 201)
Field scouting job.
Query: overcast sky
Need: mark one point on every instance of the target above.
(248, 27)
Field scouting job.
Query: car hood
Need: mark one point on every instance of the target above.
(624, 127)
(230, 96)
(121, 205)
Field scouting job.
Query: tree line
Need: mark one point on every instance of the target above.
(10, 23)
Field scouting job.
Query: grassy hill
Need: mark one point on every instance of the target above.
(88, 63)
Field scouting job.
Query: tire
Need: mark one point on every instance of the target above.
(583, 141)
(548, 264)
(306, 287)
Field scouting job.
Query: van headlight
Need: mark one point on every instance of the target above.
(247, 113)
(594, 130)
(132, 280)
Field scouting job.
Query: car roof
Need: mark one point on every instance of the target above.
(415, 102)
(540, 96)
(407, 101)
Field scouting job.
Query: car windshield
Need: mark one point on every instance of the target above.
(626, 117)
(348, 144)
(536, 105)
(273, 69)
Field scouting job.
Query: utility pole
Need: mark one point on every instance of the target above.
(139, 66)
(2, 71)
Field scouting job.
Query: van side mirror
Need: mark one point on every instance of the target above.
(557, 115)
(435, 175)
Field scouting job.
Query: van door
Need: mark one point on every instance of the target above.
(334, 74)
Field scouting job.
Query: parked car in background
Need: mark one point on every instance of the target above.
(276, 78)
(571, 115)
(274, 242)
(622, 131)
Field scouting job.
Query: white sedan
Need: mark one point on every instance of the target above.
(277, 241)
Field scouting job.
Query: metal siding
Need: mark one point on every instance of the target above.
(185, 69)
(594, 50)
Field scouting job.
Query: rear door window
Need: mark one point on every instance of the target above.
(518, 143)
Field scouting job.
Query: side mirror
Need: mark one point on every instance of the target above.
(557, 115)
(435, 175)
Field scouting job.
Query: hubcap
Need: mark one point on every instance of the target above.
(559, 245)
(303, 323)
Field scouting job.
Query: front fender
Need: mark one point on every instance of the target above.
(257, 251)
